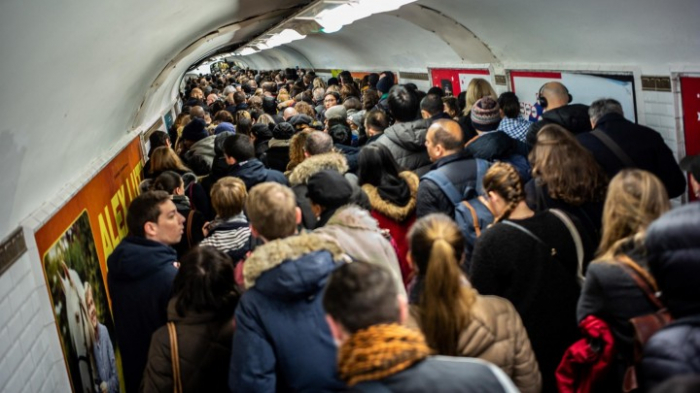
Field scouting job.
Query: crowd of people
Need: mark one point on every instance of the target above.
(301, 234)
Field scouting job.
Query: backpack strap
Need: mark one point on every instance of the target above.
(614, 148)
(475, 217)
(482, 166)
(441, 180)
(174, 357)
(532, 235)
(576, 236)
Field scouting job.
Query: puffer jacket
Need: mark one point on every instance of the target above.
(498, 146)
(204, 347)
(573, 117)
(406, 142)
(282, 340)
(204, 148)
(253, 172)
(360, 237)
(496, 334)
(397, 219)
(673, 246)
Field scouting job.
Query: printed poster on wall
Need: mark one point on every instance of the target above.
(584, 89)
(690, 95)
(455, 80)
(74, 245)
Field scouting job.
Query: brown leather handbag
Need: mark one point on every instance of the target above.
(175, 358)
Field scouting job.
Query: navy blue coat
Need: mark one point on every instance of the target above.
(282, 340)
(674, 350)
(253, 172)
(140, 279)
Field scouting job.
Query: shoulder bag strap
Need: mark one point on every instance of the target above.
(631, 268)
(577, 241)
(175, 358)
(190, 217)
(614, 147)
(532, 235)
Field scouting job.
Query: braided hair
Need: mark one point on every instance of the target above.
(503, 179)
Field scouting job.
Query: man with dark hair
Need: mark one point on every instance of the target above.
(617, 143)
(444, 144)
(140, 277)
(376, 122)
(239, 103)
(281, 341)
(555, 99)
(511, 122)
(432, 108)
(406, 138)
(239, 153)
(377, 353)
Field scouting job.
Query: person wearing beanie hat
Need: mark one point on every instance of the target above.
(492, 145)
(195, 130)
(485, 114)
(223, 127)
(327, 190)
(342, 141)
(300, 121)
(277, 156)
(333, 82)
(337, 112)
(385, 83)
(261, 135)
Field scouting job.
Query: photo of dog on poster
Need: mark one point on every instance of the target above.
(81, 309)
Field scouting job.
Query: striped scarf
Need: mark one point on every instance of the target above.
(380, 351)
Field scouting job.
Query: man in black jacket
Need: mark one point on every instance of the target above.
(239, 153)
(555, 99)
(377, 353)
(444, 144)
(643, 146)
(140, 276)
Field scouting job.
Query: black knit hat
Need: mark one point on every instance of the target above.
(485, 115)
(283, 130)
(301, 121)
(341, 134)
(262, 131)
(195, 130)
(329, 189)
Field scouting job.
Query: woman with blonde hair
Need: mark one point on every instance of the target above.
(612, 290)
(454, 318)
(533, 259)
(565, 176)
(478, 88)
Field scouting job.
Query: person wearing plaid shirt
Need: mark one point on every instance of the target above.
(511, 123)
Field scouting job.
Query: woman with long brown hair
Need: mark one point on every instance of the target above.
(612, 292)
(454, 318)
(165, 159)
(533, 260)
(565, 176)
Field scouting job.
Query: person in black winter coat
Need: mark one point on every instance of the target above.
(277, 156)
(240, 155)
(140, 277)
(673, 244)
(644, 146)
(342, 140)
(444, 145)
(559, 110)
(261, 135)
(539, 276)
(219, 167)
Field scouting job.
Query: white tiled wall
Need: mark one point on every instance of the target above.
(31, 359)
(660, 114)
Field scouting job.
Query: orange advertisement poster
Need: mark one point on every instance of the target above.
(73, 246)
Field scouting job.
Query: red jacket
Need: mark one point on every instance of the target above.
(399, 234)
(584, 365)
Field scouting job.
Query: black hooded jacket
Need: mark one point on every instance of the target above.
(573, 117)
(140, 278)
(253, 172)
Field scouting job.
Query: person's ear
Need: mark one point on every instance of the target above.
(229, 160)
(403, 309)
(409, 259)
(298, 215)
(425, 114)
(150, 229)
(337, 331)
(253, 231)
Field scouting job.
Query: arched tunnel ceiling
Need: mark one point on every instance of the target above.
(77, 75)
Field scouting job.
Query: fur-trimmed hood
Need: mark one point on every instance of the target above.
(293, 250)
(396, 213)
(317, 163)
